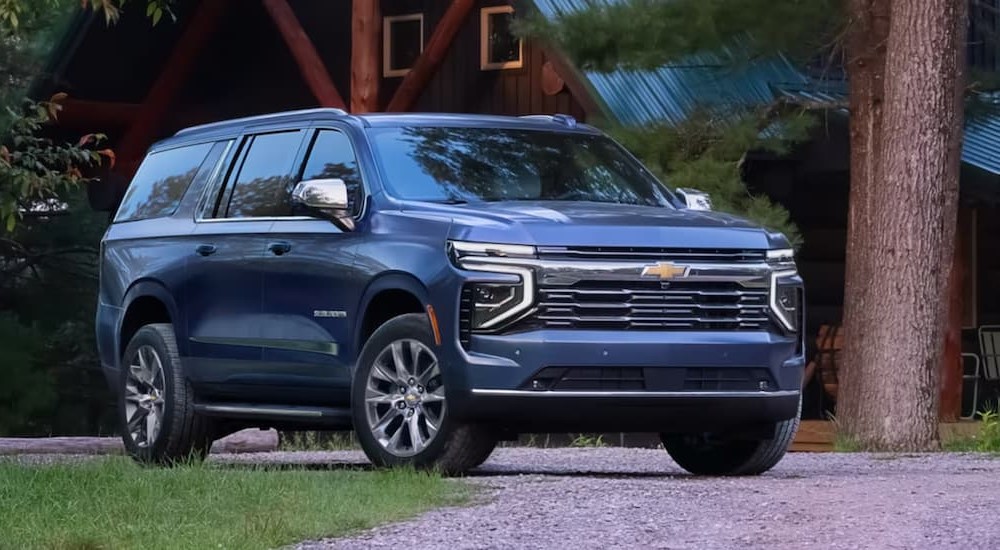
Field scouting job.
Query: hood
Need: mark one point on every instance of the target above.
(554, 223)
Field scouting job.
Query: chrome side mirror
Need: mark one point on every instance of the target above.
(328, 197)
(695, 199)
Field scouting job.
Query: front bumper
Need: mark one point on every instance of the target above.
(500, 387)
(673, 412)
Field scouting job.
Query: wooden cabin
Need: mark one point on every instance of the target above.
(232, 58)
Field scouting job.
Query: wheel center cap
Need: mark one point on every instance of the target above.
(411, 398)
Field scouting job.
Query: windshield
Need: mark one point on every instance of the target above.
(491, 164)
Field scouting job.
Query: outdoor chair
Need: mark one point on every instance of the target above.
(989, 353)
(972, 378)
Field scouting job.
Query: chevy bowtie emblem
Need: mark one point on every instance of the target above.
(665, 271)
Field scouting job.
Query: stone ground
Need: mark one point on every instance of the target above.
(637, 498)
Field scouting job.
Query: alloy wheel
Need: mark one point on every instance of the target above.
(405, 398)
(145, 396)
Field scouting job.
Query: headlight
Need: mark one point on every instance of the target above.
(494, 303)
(786, 299)
(460, 250)
(781, 257)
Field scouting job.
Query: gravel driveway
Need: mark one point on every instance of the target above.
(637, 498)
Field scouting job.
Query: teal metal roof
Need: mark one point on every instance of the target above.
(672, 92)
(981, 146)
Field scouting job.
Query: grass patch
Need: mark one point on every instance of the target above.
(114, 503)
(986, 441)
(587, 440)
(319, 441)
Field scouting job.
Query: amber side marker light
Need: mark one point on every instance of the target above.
(434, 324)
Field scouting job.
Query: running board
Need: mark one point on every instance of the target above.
(291, 413)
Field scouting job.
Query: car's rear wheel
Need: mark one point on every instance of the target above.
(155, 401)
(715, 455)
(400, 406)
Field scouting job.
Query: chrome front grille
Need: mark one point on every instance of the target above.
(653, 305)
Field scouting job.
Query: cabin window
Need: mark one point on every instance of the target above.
(499, 48)
(402, 43)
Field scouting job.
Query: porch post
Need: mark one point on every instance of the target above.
(951, 369)
(366, 26)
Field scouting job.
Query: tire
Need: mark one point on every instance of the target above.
(178, 433)
(395, 429)
(702, 454)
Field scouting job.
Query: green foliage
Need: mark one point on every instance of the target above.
(25, 391)
(588, 440)
(114, 503)
(651, 33)
(24, 15)
(706, 150)
(155, 9)
(986, 441)
(34, 169)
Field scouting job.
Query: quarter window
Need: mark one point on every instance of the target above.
(332, 156)
(264, 184)
(160, 184)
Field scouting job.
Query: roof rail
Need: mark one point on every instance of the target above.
(565, 120)
(262, 118)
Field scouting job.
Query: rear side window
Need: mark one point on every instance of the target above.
(264, 184)
(160, 184)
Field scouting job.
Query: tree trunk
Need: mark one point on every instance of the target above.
(906, 129)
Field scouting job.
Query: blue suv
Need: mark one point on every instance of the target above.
(438, 283)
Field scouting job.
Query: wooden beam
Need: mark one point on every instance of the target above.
(96, 116)
(310, 63)
(427, 64)
(174, 74)
(581, 92)
(950, 383)
(366, 24)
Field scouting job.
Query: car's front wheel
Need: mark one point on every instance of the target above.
(400, 407)
(716, 455)
(155, 401)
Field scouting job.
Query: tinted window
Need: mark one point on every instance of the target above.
(161, 182)
(332, 156)
(264, 184)
(495, 164)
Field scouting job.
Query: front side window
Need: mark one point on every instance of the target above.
(263, 186)
(332, 157)
(159, 185)
(491, 164)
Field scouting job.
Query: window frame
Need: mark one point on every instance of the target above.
(387, 70)
(484, 41)
(221, 193)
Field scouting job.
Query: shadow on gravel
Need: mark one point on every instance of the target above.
(579, 473)
(309, 466)
(478, 473)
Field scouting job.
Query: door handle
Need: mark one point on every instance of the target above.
(279, 248)
(206, 249)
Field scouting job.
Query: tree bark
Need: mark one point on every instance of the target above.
(906, 129)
